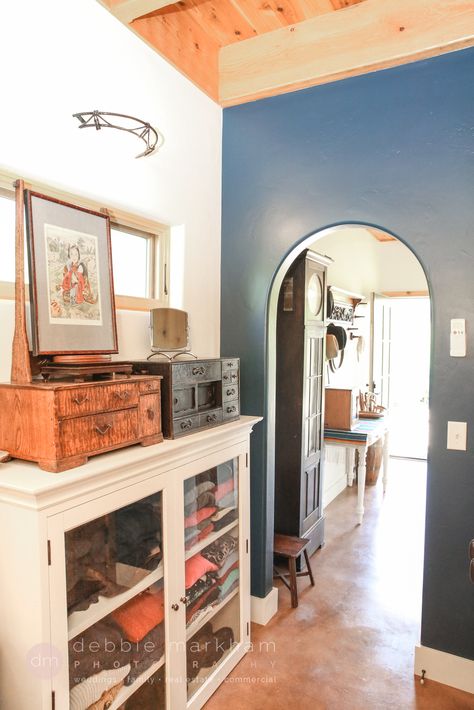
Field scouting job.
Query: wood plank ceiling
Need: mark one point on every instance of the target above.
(240, 50)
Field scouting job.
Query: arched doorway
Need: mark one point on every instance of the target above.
(381, 279)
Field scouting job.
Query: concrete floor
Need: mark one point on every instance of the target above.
(350, 643)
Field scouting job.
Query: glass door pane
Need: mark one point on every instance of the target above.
(115, 600)
(212, 571)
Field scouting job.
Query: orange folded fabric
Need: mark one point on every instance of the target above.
(199, 516)
(140, 615)
(196, 567)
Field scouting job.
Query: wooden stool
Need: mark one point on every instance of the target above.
(291, 548)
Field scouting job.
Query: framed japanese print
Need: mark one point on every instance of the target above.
(71, 282)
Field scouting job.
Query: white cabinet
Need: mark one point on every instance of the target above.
(126, 581)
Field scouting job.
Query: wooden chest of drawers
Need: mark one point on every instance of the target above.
(341, 408)
(60, 424)
(197, 394)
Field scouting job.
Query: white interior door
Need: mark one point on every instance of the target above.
(381, 343)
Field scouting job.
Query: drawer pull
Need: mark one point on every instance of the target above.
(187, 424)
(199, 370)
(233, 376)
(184, 600)
(212, 418)
(229, 392)
(80, 400)
(229, 364)
(175, 607)
(103, 430)
(122, 395)
(231, 409)
(151, 414)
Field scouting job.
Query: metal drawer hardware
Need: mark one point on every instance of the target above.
(184, 600)
(151, 414)
(199, 370)
(80, 400)
(212, 418)
(187, 424)
(229, 410)
(103, 430)
(232, 376)
(122, 395)
(175, 607)
(230, 364)
(229, 392)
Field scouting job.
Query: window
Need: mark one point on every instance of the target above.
(140, 257)
(139, 263)
(132, 257)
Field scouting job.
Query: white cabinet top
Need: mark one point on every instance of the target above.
(25, 484)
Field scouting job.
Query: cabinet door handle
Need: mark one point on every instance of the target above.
(122, 395)
(184, 600)
(80, 400)
(212, 418)
(230, 364)
(151, 414)
(103, 430)
(198, 370)
(175, 607)
(231, 409)
(187, 424)
(229, 392)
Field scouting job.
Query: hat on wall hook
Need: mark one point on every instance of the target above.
(152, 138)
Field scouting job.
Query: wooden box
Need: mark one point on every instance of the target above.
(341, 408)
(60, 424)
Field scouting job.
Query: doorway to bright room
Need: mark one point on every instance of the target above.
(409, 377)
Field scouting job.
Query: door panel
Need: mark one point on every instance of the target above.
(381, 335)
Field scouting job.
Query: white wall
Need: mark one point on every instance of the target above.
(64, 56)
(362, 264)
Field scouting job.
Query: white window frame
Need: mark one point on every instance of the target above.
(156, 232)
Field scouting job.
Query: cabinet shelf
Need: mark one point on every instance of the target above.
(79, 621)
(208, 615)
(128, 690)
(210, 539)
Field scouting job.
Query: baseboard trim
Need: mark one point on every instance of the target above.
(445, 668)
(263, 608)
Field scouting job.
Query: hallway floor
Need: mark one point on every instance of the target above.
(350, 643)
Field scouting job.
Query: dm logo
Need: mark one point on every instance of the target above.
(44, 661)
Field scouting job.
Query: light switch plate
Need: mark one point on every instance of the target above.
(457, 436)
(457, 340)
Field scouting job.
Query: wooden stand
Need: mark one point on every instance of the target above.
(21, 369)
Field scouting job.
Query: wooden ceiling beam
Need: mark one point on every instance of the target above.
(372, 35)
(128, 10)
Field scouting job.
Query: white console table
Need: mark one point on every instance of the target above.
(366, 433)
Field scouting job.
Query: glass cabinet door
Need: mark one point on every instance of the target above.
(212, 570)
(116, 610)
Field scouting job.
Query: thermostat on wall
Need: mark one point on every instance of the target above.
(457, 342)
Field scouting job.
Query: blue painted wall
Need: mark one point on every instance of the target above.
(396, 149)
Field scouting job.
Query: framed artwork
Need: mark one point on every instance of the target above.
(71, 282)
